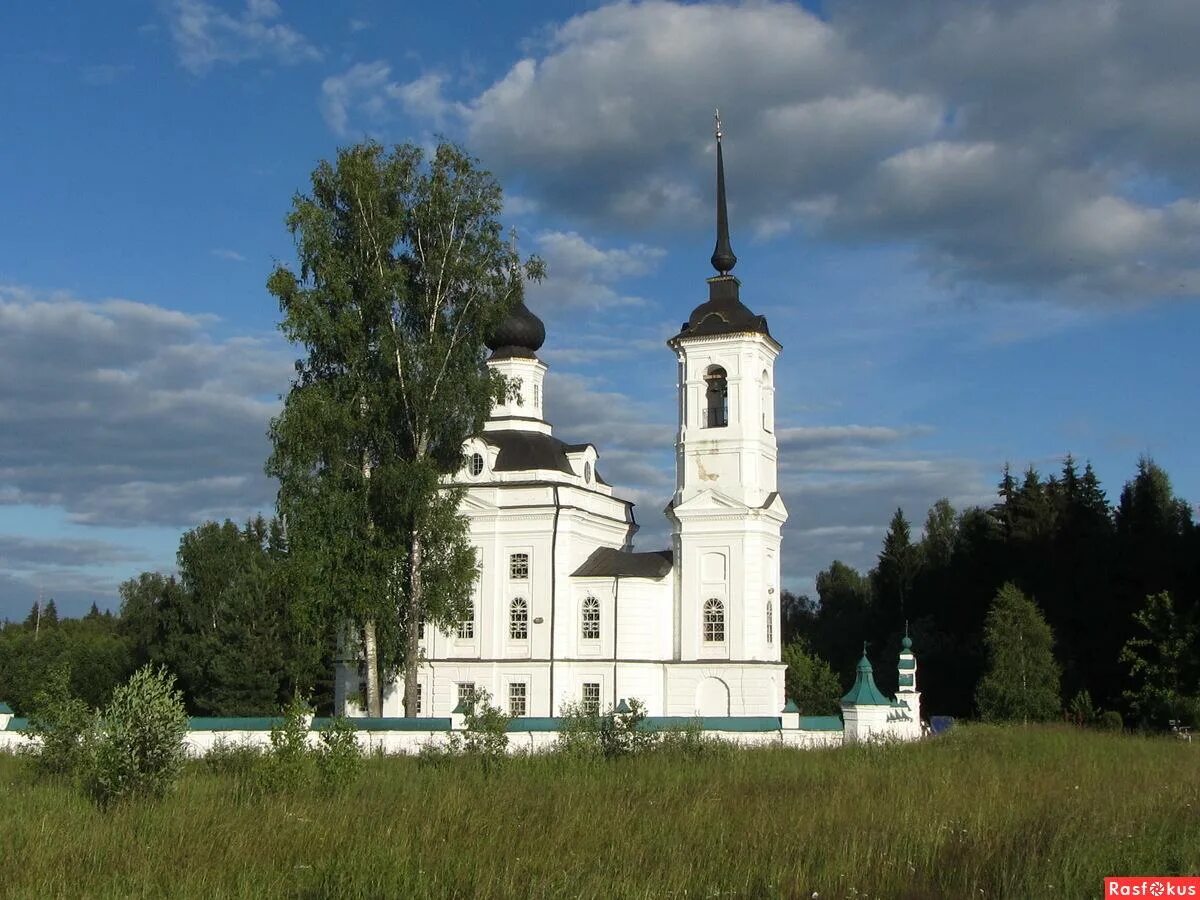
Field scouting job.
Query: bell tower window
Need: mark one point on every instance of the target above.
(716, 398)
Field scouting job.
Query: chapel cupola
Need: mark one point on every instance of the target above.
(514, 345)
(521, 333)
(907, 692)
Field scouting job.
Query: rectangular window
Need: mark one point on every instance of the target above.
(466, 693)
(517, 694)
(591, 698)
(518, 566)
(466, 628)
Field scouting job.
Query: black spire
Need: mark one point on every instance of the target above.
(723, 259)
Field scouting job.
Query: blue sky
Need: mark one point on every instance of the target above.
(975, 228)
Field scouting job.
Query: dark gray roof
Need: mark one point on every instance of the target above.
(605, 562)
(521, 451)
(520, 330)
(722, 313)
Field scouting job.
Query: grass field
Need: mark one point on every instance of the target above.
(982, 812)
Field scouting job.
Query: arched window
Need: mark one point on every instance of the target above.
(518, 619)
(770, 623)
(591, 618)
(476, 463)
(714, 621)
(466, 628)
(716, 398)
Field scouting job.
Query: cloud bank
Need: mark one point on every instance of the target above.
(1027, 147)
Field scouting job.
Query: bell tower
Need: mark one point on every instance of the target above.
(726, 512)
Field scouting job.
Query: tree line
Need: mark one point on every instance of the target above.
(1116, 587)
(225, 626)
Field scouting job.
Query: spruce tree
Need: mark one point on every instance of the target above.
(899, 560)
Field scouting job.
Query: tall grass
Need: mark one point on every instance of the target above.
(983, 812)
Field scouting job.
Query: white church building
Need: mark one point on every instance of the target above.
(565, 612)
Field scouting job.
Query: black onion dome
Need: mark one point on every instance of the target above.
(520, 334)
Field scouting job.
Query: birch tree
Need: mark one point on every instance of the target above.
(403, 272)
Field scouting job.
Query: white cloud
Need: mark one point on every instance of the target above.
(581, 275)
(1001, 141)
(367, 94)
(231, 255)
(205, 35)
(125, 413)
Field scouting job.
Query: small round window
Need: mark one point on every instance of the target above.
(476, 463)
(587, 472)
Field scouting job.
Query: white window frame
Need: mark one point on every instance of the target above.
(585, 705)
(518, 619)
(469, 685)
(713, 623)
(518, 566)
(524, 686)
(466, 628)
(589, 624)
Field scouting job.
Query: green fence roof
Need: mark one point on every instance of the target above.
(520, 724)
(820, 723)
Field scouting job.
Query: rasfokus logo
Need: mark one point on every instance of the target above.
(1152, 886)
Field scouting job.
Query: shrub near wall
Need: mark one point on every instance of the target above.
(136, 748)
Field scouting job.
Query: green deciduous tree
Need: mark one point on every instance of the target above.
(941, 533)
(845, 614)
(810, 681)
(225, 628)
(1162, 665)
(1022, 680)
(403, 272)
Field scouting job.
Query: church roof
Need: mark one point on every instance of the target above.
(864, 692)
(520, 334)
(522, 451)
(605, 562)
(723, 313)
